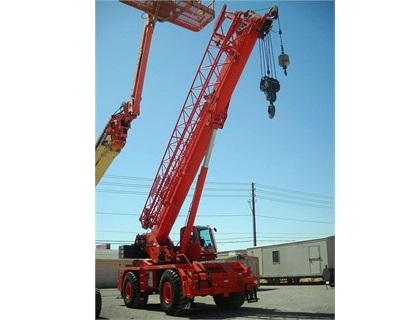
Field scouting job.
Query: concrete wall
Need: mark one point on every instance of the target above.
(107, 271)
(107, 268)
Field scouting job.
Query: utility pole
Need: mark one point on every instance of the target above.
(253, 214)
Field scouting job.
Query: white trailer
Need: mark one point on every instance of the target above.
(295, 262)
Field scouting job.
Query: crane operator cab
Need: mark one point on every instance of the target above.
(202, 246)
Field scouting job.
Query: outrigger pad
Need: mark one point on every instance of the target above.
(251, 296)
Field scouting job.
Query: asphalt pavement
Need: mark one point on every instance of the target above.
(290, 302)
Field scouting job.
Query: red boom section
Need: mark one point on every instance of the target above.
(204, 110)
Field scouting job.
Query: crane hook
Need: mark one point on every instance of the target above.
(271, 111)
(270, 87)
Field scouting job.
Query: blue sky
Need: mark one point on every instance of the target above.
(291, 158)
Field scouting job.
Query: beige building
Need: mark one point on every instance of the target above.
(107, 266)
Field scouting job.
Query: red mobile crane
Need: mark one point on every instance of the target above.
(192, 15)
(178, 273)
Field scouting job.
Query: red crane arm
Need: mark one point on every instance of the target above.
(204, 111)
(114, 135)
(191, 15)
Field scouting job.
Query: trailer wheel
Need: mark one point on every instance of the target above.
(131, 295)
(98, 303)
(170, 294)
(233, 301)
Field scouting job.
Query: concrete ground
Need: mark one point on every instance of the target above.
(290, 302)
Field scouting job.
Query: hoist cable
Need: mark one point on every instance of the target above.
(266, 54)
(271, 55)
(280, 35)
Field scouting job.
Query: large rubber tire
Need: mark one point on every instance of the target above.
(170, 294)
(98, 303)
(131, 295)
(232, 302)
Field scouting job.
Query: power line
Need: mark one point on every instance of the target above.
(181, 215)
(151, 180)
(267, 192)
(298, 220)
(188, 196)
(248, 184)
(296, 202)
(294, 191)
(221, 215)
(130, 185)
(112, 176)
(148, 186)
(224, 190)
(263, 234)
(117, 214)
(220, 240)
(122, 192)
(329, 202)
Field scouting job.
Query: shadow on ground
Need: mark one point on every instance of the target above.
(207, 311)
